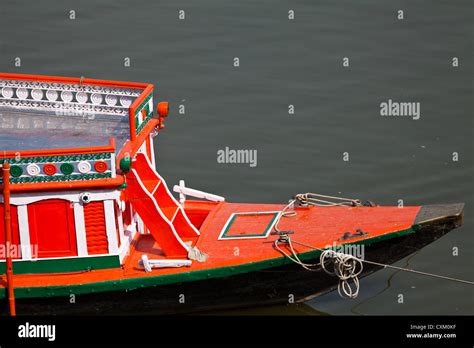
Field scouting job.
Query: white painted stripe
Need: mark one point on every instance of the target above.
(81, 238)
(140, 225)
(267, 231)
(128, 235)
(175, 213)
(158, 209)
(158, 176)
(150, 105)
(156, 188)
(152, 151)
(110, 226)
(24, 231)
(120, 226)
(112, 165)
(142, 149)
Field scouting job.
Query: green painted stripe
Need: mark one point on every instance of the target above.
(59, 158)
(144, 123)
(137, 120)
(145, 101)
(19, 165)
(263, 234)
(63, 265)
(143, 282)
(56, 178)
(148, 117)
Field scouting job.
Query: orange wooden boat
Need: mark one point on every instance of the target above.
(91, 222)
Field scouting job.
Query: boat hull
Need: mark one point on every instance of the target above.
(278, 285)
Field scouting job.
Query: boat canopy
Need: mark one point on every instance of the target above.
(42, 114)
(58, 129)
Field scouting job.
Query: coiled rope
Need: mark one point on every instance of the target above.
(346, 267)
(399, 268)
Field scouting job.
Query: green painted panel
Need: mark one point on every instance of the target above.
(149, 114)
(63, 265)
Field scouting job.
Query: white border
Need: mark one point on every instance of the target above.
(128, 235)
(269, 229)
(112, 165)
(110, 226)
(153, 162)
(24, 231)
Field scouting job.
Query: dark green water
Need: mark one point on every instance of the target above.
(296, 62)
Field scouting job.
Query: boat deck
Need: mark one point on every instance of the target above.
(316, 226)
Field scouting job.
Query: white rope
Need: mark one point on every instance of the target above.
(294, 256)
(315, 199)
(285, 213)
(312, 199)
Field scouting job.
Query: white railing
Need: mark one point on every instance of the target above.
(186, 191)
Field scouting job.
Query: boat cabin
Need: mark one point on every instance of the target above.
(69, 143)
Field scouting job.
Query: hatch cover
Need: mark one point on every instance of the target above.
(249, 225)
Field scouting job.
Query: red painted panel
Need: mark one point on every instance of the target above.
(96, 233)
(127, 214)
(52, 228)
(15, 231)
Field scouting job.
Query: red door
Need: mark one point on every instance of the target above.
(16, 249)
(52, 228)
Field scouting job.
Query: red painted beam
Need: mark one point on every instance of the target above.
(71, 185)
(8, 237)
